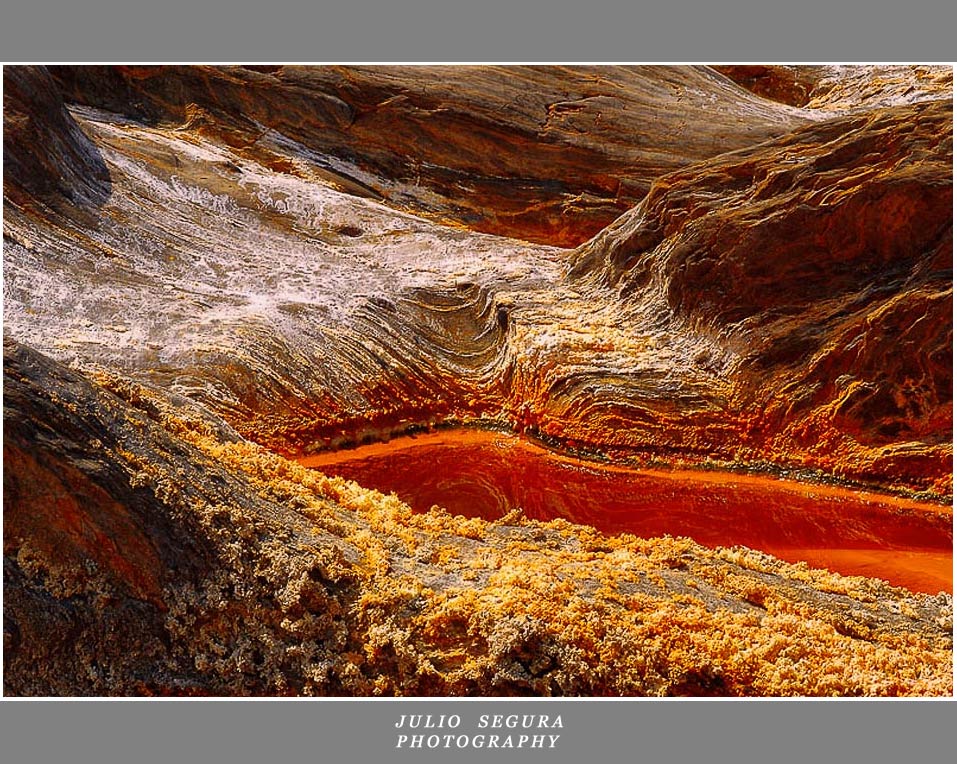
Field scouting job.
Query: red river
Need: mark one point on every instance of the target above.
(484, 474)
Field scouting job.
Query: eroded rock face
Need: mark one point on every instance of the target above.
(810, 261)
(548, 154)
(717, 320)
(844, 88)
(43, 148)
(147, 550)
(237, 279)
(792, 85)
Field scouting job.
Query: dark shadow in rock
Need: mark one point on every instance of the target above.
(45, 153)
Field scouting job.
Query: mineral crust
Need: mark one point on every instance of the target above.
(209, 271)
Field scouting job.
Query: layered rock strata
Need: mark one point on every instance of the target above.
(843, 88)
(790, 271)
(550, 154)
(150, 550)
(721, 319)
(210, 258)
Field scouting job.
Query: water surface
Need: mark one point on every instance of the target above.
(482, 474)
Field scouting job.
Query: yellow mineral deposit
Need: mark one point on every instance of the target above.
(476, 473)
(478, 380)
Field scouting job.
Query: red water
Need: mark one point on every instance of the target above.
(482, 474)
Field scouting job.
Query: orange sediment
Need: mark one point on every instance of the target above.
(484, 474)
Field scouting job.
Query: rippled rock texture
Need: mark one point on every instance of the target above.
(150, 550)
(549, 154)
(198, 260)
(815, 272)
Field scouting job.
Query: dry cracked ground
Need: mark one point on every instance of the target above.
(212, 271)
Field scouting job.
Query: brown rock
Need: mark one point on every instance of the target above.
(547, 154)
(785, 306)
(843, 88)
(254, 576)
(718, 320)
(812, 260)
(792, 85)
(44, 151)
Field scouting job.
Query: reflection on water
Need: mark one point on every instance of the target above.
(481, 474)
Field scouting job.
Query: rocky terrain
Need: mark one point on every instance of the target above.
(211, 271)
